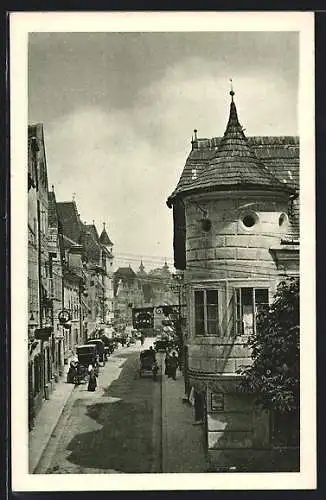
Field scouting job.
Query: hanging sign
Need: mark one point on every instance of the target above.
(64, 316)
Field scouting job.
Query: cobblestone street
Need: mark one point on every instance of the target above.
(128, 425)
(111, 430)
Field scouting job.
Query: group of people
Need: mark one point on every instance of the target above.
(76, 373)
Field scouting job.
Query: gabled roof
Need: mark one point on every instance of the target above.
(104, 238)
(91, 248)
(69, 219)
(91, 228)
(233, 163)
(68, 243)
(52, 210)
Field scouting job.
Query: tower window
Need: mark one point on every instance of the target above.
(206, 312)
(249, 302)
(249, 220)
(282, 221)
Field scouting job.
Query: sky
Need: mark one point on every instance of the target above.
(119, 109)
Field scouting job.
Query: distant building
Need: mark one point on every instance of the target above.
(108, 260)
(126, 295)
(142, 290)
(236, 235)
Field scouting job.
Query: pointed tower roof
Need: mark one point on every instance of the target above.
(104, 238)
(165, 268)
(141, 271)
(234, 163)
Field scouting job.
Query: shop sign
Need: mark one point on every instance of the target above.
(217, 401)
(64, 316)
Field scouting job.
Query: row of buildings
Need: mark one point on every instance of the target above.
(74, 289)
(236, 236)
(70, 278)
(141, 289)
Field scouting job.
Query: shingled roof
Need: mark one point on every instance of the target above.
(212, 164)
(52, 210)
(232, 163)
(104, 238)
(69, 219)
(91, 247)
(91, 228)
(279, 153)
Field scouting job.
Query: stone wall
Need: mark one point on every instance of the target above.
(230, 249)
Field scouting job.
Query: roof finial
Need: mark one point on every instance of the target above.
(103, 226)
(52, 188)
(231, 91)
(93, 222)
(195, 132)
(73, 196)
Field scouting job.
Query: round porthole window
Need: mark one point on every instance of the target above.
(206, 225)
(282, 220)
(249, 220)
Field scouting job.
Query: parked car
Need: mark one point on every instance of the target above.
(100, 348)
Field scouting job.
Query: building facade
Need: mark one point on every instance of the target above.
(40, 325)
(236, 235)
(55, 284)
(73, 275)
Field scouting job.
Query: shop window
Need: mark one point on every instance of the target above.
(249, 302)
(206, 312)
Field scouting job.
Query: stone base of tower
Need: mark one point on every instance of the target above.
(238, 434)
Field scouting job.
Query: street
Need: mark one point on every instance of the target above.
(115, 429)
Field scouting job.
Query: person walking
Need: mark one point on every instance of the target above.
(142, 339)
(167, 359)
(92, 382)
(173, 365)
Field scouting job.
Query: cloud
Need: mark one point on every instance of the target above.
(124, 163)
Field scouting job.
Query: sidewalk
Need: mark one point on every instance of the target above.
(47, 419)
(183, 443)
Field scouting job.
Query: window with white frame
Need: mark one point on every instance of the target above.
(249, 302)
(206, 312)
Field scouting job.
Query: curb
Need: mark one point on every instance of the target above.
(42, 446)
(164, 432)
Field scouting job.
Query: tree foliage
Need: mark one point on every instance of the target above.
(274, 373)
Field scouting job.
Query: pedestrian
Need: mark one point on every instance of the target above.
(151, 350)
(173, 365)
(167, 359)
(92, 382)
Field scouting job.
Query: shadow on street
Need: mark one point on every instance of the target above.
(125, 441)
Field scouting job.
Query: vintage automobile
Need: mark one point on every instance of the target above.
(87, 355)
(100, 349)
(148, 364)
